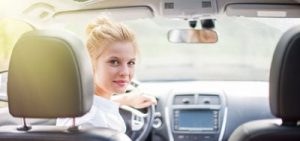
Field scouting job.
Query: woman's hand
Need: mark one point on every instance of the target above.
(135, 99)
(140, 100)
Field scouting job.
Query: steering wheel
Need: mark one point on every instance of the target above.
(138, 124)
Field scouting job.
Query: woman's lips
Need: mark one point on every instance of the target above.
(121, 83)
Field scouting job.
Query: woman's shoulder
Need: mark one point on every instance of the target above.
(88, 118)
(106, 105)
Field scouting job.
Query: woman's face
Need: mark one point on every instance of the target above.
(115, 67)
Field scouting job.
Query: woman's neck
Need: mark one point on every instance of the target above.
(102, 93)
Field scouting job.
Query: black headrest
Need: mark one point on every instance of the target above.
(285, 77)
(49, 76)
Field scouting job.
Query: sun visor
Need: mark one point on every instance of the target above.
(120, 14)
(263, 10)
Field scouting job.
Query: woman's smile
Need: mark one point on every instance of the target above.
(121, 83)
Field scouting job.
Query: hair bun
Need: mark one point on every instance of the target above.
(98, 22)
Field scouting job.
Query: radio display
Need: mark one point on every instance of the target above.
(195, 119)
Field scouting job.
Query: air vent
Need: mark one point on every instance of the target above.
(208, 100)
(184, 99)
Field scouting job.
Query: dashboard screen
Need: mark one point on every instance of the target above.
(195, 120)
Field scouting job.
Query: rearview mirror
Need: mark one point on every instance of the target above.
(192, 36)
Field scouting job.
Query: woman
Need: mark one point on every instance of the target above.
(113, 51)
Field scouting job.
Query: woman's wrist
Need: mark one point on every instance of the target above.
(122, 99)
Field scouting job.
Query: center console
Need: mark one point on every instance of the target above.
(198, 115)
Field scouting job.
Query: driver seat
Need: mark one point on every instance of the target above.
(284, 96)
(50, 76)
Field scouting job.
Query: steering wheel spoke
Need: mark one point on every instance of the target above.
(141, 123)
(137, 122)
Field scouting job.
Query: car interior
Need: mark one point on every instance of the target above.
(38, 87)
(284, 77)
(221, 70)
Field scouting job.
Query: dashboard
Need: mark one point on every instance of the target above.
(195, 110)
(207, 111)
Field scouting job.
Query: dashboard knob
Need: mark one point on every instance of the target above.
(157, 122)
(206, 101)
(186, 101)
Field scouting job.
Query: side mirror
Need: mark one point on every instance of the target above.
(192, 36)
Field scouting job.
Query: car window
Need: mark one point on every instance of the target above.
(3, 104)
(243, 52)
(3, 89)
(10, 31)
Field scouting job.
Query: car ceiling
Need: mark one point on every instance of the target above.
(39, 12)
(70, 5)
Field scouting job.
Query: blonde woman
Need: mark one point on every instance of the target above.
(113, 51)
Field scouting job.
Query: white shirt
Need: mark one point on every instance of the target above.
(104, 113)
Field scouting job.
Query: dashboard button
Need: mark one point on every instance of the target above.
(157, 123)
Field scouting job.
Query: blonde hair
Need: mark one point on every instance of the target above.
(101, 32)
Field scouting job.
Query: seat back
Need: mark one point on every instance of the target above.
(284, 93)
(50, 76)
(285, 78)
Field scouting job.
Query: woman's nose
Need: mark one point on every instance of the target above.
(124, 70)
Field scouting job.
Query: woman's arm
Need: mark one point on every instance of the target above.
(134, 100)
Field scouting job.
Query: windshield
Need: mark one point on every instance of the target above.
(243, 52)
